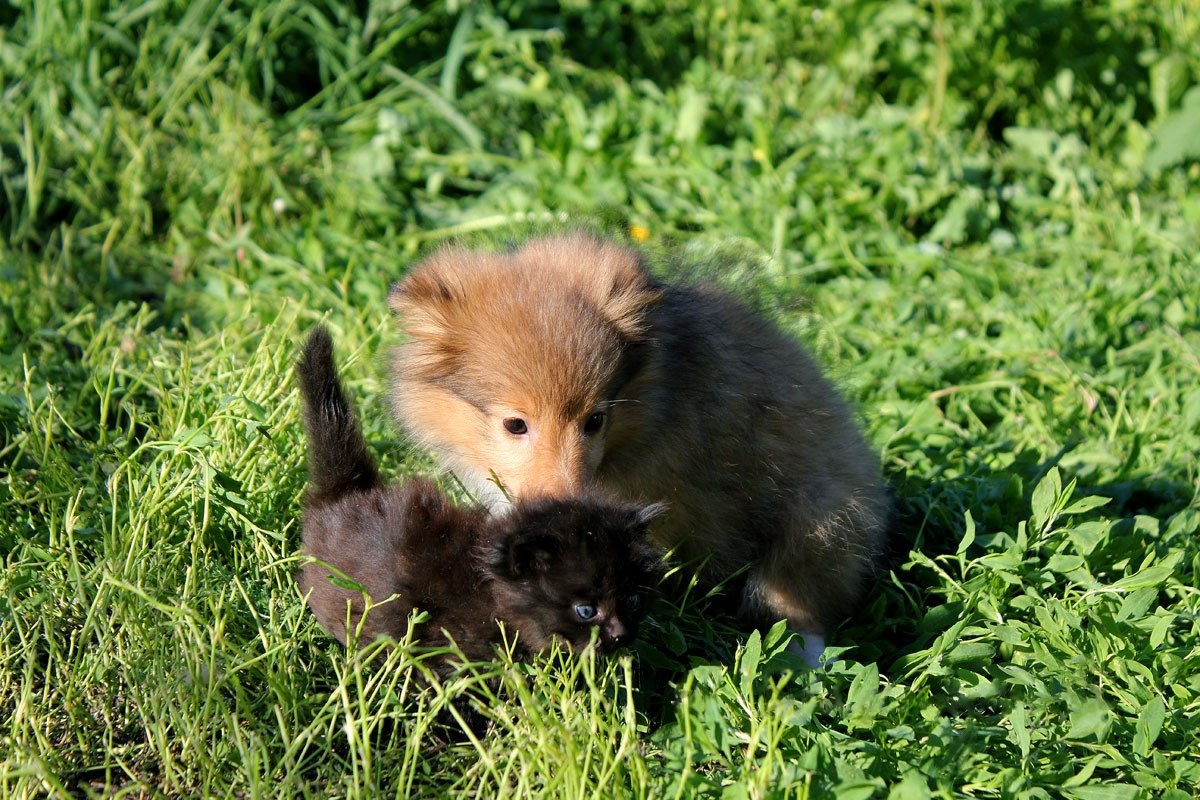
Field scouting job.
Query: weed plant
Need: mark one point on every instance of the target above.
(983, 217)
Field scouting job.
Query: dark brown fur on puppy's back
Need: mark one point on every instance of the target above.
(563, 365)
(408, 547)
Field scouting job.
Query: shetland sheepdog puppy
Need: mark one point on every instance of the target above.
(563, 365)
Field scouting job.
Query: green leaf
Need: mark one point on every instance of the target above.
(1045, 497)
(1085, 504)
(913, 786)
(1019, 721)
(863, 697)
(346, 583)
(975, 685)
(1084, 775)
(192, 437)
(970, 653)
(1085, 536)
(1149, 726)
(1035, 142)
(748, 663)
(968, 537)
(858, 790)
(1091, 719)
(1135, 604)
(1062, 564)
(1108, 791)
(1158, 635)
(692, 110)
(257, 412)
(1175, 139)
(1153, 576)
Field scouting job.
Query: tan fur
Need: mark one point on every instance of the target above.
(707, 407)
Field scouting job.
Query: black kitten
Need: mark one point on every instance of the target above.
(548, 568)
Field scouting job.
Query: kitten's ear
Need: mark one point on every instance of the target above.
(426, 503)
(525, 553)
(642, 517)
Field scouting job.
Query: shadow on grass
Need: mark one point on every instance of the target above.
(895, 620)
(905, 610)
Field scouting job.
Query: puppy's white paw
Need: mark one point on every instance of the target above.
(811, 649)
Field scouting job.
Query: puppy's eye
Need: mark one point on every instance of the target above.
(585, 611)
(516, 426)
(633, 602)
(594, 423)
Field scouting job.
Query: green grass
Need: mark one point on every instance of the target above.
(983, 217)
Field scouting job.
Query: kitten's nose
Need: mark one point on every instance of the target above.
(617, 633)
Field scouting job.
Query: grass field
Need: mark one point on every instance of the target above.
(983, 217)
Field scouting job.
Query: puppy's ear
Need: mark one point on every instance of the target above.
(522, 554)
(429, 304)
(631, 291)
(426, 285)
(428, 297)
(610, 275)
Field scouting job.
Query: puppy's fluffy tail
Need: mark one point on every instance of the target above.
(338, 459)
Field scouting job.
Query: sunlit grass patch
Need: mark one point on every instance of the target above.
(983, 220)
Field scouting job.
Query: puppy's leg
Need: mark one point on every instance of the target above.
(764, 604)
(812, 649)
(812, 581)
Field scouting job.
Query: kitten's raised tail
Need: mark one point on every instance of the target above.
(338, 458)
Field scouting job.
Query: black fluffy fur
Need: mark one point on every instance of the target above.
(534, 568)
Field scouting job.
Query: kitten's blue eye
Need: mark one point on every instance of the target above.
(585, 611)
(633, 602)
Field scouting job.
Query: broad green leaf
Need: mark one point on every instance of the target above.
(748, 663)
(1152, 576)
(1046, 495)
(862, 699)
(1135, 604)
(913, 786)
(1149, 725)
(1090, 720)
(1175, 139)
(192, 437)
(692, 110)
(1108, 791)
(1086, 504)
(1035, 142)
(1086, 536)
(970, 653)
(855, 791)
(1158, 634)
(1019, 721)
(1063, 564)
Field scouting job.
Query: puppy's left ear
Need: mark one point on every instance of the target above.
(631, 293)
